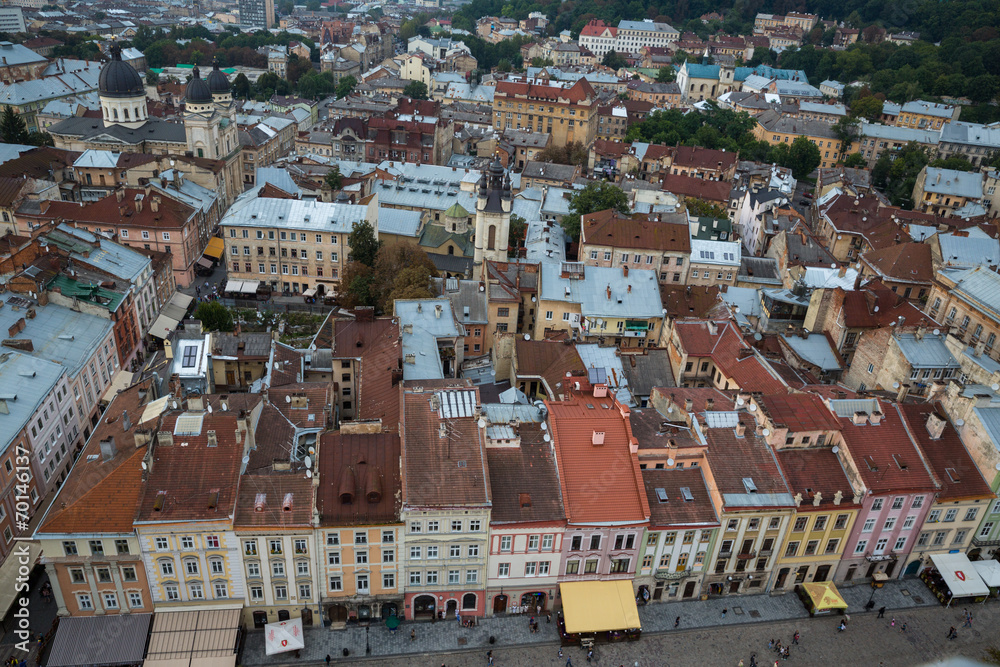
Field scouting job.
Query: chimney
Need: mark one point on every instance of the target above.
(126, 421)
(688, 404)
(875, 418)
(625, 270)
(213, 439)
(609, 292)
(741, 429)
(108, 449)
(904, 390)
(710, 404)
(154, 204)
(935, 426)
(859, 418)
(437, 311)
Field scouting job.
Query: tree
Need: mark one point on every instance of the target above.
(855, 161)
(804, 156)
(541, 62)
(40, 139)
(666, 75)
(614, 60)
(599, 196)
(573, 152)
(334, 179)
(344, 88)
(13, 130)
(416, 89)
(357, 285)
(955, 162)
(363, 243)
(404, 272)
(847, 130)
(518, 230)
(503, 65)
(702, 209)
(868, 108)
(242, 88)
(214, 316)
(297, 67)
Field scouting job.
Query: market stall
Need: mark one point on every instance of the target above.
(598, 611)
(284, 636)
(953, 576)
(989, 571)
(821, 597)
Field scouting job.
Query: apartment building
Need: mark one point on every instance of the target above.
(922, 115)
(565, 110)
(776, 128)
(598, 37)
(91, 554)
(360, 533)
(446, 500)
(947, 192)
(967, 299)
(602, 541)
(292, 245)
(608, 239)
(633, 35)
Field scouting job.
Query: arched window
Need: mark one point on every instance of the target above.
(125, 111)
(115, 113)
(492, 238)
(201, 153)
(469, 601)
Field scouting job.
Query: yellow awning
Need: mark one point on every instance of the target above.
(824, 595)
(599, 606)
(215, 248)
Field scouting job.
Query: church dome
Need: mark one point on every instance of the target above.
(118, 78)
(217, 81)
(197, 90)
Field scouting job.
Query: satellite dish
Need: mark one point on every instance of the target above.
(995, 386)
(751, 407)
(937, 332)
(145, 466)
(546, 437)
(482, 288)
(533, 299)
(312, 450)
(288, 399)
(740, 401)
(765, 432)
(246, 460)
(481, 423)
(225, 406)
(959, 422)
(670, 462)
(997, 466)
(309, 473)
(209, 408)
(308, 461)
(545, 427)
(895, 385)
(757, 336)
(835, 449)
(174, 405)
(527, 336)
(876, 309)
(736, 309)
(833, 266)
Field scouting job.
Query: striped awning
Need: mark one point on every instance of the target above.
(77, 642)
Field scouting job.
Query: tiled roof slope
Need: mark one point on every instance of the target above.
(360, 480)
(950, 463)
(524, 480)
(676, 511)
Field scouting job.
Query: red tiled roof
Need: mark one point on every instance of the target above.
(884, 455)
(108, 210)
(956, 473)
(376, 342)
(102, 496)
(700, 301)
(611, 148)
(10, 190)
(703, 158)
(848, 214)
(799, 412)
(609, 228)
(198, 482)
(902, 262)
(366, 466)
(860, 308)
(444, 459)
(725, 347)
(699, 397)
(263, 499)
(578, 92)
(689, 186)
(816, 470)
(286, 366)
(314, 413)
(524, 480)
(676, 511)
(596, 27)
(591, 475)
(549, 360)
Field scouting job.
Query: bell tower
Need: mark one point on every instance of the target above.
(493, 214)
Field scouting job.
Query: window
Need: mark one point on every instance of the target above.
(196, 591)
(572, 567)
(800, 524)
(923, 539)
(791, 549)
(897, 503)
(811, 547)
(160, 542)
(191, 567)
(841, 522)
(474, 526)
(590, 567)
(900, 544)
(121, 546)
(333, 558)
(69, 548)
(415, 553)
(212, 542)
(454, 576)
(432, 552)
(84, 602)
(503, 570)
(362, 582)
(278, 568)
(908, 522)
(595, 542)
(455, 551)
(831, 546)
(986, 529)
(456, 526)
(97, 547)
(877, 504)
(221, 590)
(860, 547)
(530, 568)
(77, 576)
(301, 568)
(415, 527)
(889, 524)
(432, 526)
(505, 543)
(387, 537)
(361, 537)
(336, 584)
(881, 544)
(473, 551)
(253, 569)
(134, 599)
(471, 576)
(167, 568)
(533, 543)
(950, 515)
(918, 502)
(388, 580)
(172, 592)
(256, 593)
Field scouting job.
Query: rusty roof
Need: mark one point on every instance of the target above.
(799, 412)
(550, 360)
(377, 342)
(274, 501)
(524, 480)
(360, 481)
(444, 458)
(102, 496)
(609, 228)
(956, 473)
(904, 262)
(669, 507)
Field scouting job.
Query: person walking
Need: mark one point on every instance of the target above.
(677, 621)
(841, 627)
(795, 637)
(770, 645)
(489, 657)
(569, 662)
(968, 620)
(892, 623)
(327, 660)
(413, 635)
(902, 628)
(740, 664)
(590, 655)
(881, 612)
(724, 612)
(952, 633)
(753, 660)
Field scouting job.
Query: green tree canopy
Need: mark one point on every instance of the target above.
(855, 161)
(242, 88)
(334, 179)
(804, 156)
(598, 196)
(13, 130)
(666, 75)
(614, 60)
(416, 89)
(214, 316)
(868, 108)
(346, 85)
(363, 243)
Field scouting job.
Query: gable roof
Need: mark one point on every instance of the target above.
(956, 473)
(608, 228)
(550, 360)
(524, 480)
(903, 262)
(364, 467)
(677, 511)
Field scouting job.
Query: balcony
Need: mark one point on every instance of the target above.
(727, 553)
(766, 552)
(749, 555)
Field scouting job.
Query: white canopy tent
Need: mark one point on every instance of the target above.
(960, 576)
(989, 570)
(283, 636)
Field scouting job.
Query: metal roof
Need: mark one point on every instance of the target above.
(990, 419)
(847, 407)
(420, 329)
(953, 182)
(28, 381)
(249, 210)
(637, 296)
(929, 351)
(814, 349)
(979, 287)
(112, 258)
(900, 134)
(75, 645)
(504, 413)
(970, 134)
(969, 250)
(398, 221)
(724, 253)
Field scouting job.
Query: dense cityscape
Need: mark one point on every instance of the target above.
(442, 332)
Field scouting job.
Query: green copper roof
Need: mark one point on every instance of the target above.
(85, 292)
(456, 211)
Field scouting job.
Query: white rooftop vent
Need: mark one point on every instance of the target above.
(686, 493)
(749, 485)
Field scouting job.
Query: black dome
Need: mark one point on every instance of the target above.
(197, 90)
(118, 78)
(217, 81)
